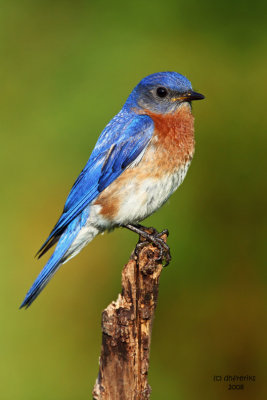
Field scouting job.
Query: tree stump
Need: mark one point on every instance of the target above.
(127, 329)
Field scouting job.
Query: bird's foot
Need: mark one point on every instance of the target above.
(151, 235)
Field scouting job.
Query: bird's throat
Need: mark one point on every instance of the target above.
(174, 133)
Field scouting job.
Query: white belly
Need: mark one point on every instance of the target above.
(138, 199)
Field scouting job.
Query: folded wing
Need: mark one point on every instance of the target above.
(108, 161)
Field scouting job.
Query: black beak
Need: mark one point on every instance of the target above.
(189, 96)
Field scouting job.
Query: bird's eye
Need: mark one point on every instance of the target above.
(162, 92)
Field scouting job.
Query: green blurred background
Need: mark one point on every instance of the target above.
(66, 69)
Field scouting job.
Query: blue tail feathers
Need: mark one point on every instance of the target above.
(57, 258)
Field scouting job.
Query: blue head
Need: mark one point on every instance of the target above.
(162, 92)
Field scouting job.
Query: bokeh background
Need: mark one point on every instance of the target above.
(66, 69)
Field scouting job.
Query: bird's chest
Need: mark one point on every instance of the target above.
(173, 143)
(168, 156)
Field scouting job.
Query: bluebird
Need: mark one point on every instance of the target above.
(139, 160)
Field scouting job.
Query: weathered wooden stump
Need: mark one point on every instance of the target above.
(127, 328)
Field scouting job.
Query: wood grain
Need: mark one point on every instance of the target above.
(127, 328)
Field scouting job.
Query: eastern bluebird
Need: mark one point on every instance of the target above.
(139, 160)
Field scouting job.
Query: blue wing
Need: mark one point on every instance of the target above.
(121, 142)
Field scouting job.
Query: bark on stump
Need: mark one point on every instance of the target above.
(127, 328)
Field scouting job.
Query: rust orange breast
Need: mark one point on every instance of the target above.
(174, 134)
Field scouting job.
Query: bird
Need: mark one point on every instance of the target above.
(140, 158)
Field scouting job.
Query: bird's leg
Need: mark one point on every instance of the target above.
(153, 236)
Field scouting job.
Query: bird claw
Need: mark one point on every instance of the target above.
(155, 237)
(164, 250)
